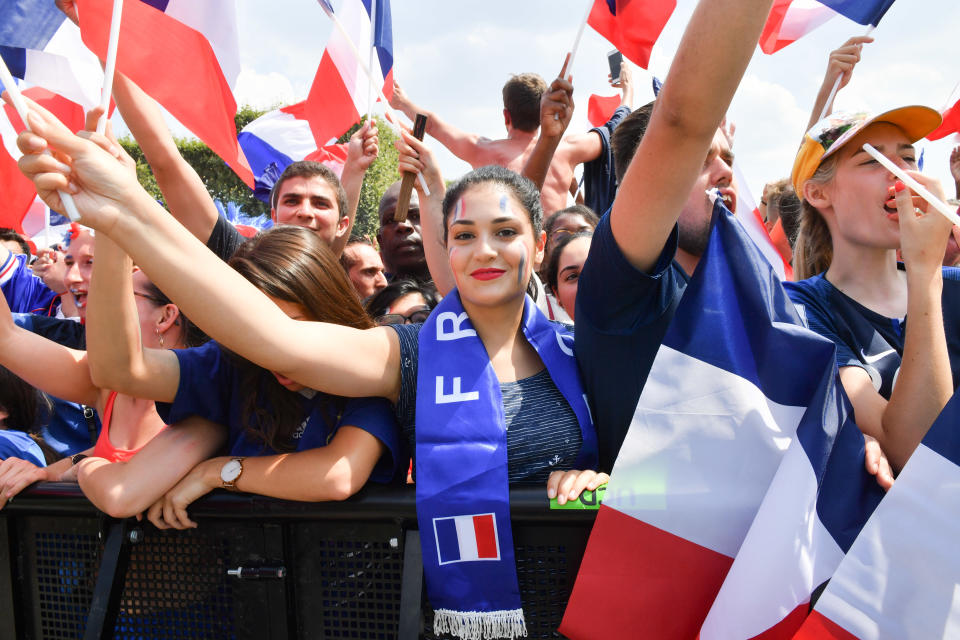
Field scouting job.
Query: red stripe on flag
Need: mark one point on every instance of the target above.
(644, 578)
(601, 108)
(770, 41)
(819, 627)
(175, 65)
(329, 108)
(951, 123)
(635, 27)
(486, 536)
(785, 629)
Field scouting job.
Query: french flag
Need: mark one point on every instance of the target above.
(42, 47)
(339, 94)
(18, 193)
(748, 214)
(790, 20)
(901, 576)
(185, 55)
(718, 412)
(467, 538)
(632, 26)
(951, 123)
(280, 137)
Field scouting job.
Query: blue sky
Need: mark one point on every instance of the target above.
(453, 58)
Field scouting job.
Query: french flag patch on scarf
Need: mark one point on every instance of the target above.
(467, 538)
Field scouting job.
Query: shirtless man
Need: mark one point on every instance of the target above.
(521, 116)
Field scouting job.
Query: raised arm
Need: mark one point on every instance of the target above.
(183, 191)
(924, 383)
(415, 156)
(556, 109)
(118, 360)
(466, 146)
(362, 150)
(713, 55)
(840, 65)
(48, 366)
(331, 358)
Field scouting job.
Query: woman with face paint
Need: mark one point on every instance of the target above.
(487, 390)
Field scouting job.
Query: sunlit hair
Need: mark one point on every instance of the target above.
(582, 210)
(813, 250)
(522, 189)
(291, 264)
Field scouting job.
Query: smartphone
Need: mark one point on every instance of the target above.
(615, 58)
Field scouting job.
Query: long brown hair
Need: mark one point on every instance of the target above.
(813, 250)
(292, 264)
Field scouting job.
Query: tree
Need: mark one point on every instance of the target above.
(219, 179)
(381, 174)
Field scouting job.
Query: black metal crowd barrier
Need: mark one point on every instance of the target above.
(254, 568)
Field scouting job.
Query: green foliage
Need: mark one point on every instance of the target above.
(381, 174)
(222, 183)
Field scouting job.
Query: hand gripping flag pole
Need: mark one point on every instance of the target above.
(836, 85)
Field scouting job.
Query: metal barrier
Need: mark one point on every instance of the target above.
(255, 568)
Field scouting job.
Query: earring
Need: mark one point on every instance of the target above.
(159, 337)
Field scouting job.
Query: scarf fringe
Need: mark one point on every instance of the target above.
(480, 625)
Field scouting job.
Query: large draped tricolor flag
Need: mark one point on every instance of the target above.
(184, 54)
(721, 407)
(632, 26)
(340, 90)
(790, 20)
(901, 577)
(280, 137)
(17, 193)
(749, 215)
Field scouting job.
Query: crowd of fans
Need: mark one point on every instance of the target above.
(308, 387)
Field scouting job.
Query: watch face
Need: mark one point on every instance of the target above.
(230, 471)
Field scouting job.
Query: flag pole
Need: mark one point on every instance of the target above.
(576, 41)
(836, 85)
(7, 81)
(942, 207)
(373, 49)
(111, 65)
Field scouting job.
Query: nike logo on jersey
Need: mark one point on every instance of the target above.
(880, 356)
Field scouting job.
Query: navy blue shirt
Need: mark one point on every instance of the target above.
(17, 444)
(599, 176)
(210, 388)
(622, 316)
(866, 339)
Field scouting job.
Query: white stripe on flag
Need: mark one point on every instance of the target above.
(802, 17)
(466, 537)
(900, 577)
(356, 21)
(711, 453)
(285, 133)
(786, 554)
(66, 66)
(217, 21)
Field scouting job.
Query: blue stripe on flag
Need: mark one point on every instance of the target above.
(260, 154)
(29, 23)
(765, 358)
(448, 543)
(863, 11)
(16, 59)
(944, 437)
(160, 5)
(383, 33)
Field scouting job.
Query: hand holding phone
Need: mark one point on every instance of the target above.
(615, 59)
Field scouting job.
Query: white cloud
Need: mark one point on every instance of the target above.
(263, 90)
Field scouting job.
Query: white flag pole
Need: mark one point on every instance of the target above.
(373, 49)
(836, 86)
(950, 213)
(110, 65)
(7, 80)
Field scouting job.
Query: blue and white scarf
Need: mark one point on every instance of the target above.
(463, 498)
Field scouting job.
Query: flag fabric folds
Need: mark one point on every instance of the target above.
(632, 26)
(43, 47)
(790, 20)
(720, 408)
(901, 577)
(18, 193)
(184, 54)
(280, 137)
(951, 123)
(601, 108)
(863, 11)
(338, 95)
(749, 215)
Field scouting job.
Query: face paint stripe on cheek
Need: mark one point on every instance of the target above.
(458, 210)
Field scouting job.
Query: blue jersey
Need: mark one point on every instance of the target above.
(866, 339)
(210, 387)
(25, 292)
(17, 444)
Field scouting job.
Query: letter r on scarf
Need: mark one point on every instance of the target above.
(456, 396)
(456, 320)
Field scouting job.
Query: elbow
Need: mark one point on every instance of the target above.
(342, 482)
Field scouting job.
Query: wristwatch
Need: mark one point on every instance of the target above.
(78, 457)
(230, 473)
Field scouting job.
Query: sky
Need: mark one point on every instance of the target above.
(452, 58)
